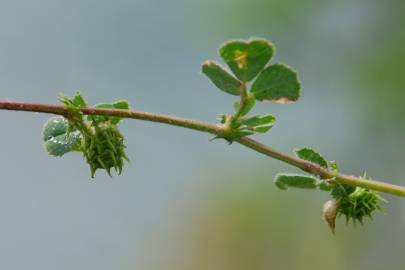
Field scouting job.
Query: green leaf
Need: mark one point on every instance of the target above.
(247, 58)
(313, 156)
(120, 104)
(259, 120)
(79, 101)
(263, 129)
(259, 123)
(277, 83)
(325, 186)
(75, 103)
(221, 78)
(74, 106)
(57, 139)
(284, 181)
(333, 166)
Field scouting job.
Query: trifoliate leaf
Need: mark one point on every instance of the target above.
(284, 181)
(221, 78)
(277, 83)
(313, 156)
(247, 58)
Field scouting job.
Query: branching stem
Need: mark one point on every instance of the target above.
(216, 130)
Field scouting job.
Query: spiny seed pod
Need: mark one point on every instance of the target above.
(330, 210)
(359, 204)
(105, 149)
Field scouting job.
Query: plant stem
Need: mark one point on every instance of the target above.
(324, 173)
(216, 130)
(242, 102)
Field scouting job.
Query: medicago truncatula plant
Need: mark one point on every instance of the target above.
(93, 130)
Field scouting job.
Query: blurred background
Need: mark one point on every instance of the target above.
(184, 202)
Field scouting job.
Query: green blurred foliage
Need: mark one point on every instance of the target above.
(381, 82)
(247, 224)
(376, 64)
(239, 18)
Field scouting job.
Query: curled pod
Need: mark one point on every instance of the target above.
(57, 138)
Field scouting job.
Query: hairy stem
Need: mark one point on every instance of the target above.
(216, 130)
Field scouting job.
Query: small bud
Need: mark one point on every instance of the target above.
(329, 213)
